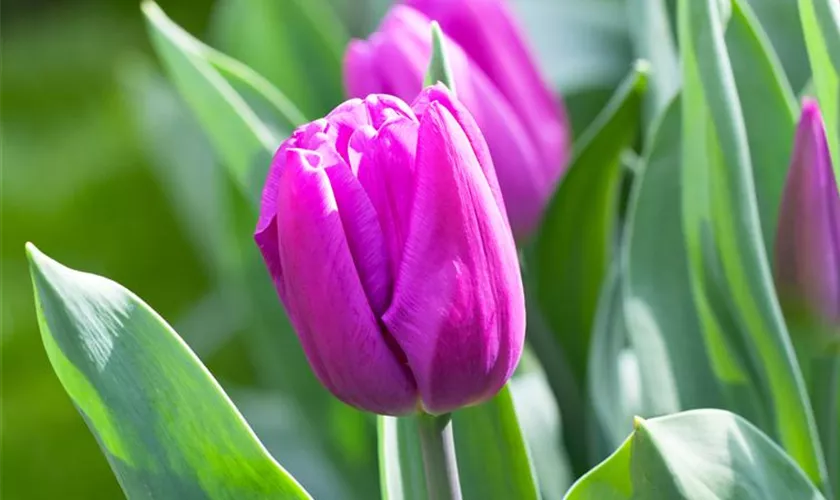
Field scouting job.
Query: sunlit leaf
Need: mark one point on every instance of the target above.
(574, 244)
(696, 455)
(731, 280)
(243, 115)
(165, 425)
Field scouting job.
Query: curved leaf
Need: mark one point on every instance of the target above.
(770, 112)
(493, 460)
(696, 455)
(401, 473)
(165, 425)
(245, 129)
(663, 327)
(722, 228)
(821, 27)
(573, 247)
(297, 45)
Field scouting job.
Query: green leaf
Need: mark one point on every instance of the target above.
(769, 109)
(653, 41)
(614, 398)
(401, 472)
(609, 480)
(663, 327)
(723, 229)
(493, 459)
(165, 425)
(210, 83)
(699, 454)
(780, 19)
(492, 456)
(712, 454)
(539, 418)
(821, 27)
(296, 44)
(440, 70)
(573, 247)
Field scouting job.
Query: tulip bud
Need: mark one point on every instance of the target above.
(497, 81)
(807, 251)
(383, 228)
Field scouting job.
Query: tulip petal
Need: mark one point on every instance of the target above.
(807, 250)
(361, 76)
(359, 220)
(458, 308)
(386, 171)
(440, 94)
(404, 41)
(338, 330)
(265, 234)
(372, 111)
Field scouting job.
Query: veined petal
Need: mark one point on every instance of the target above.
(329, 308)
(386, 170)
(458, 307)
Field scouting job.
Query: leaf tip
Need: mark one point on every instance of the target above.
(638, 422)
(36, 258)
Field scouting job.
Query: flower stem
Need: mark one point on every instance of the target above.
(439, 463)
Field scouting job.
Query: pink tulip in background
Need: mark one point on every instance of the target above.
(496, 79)
(807, 267)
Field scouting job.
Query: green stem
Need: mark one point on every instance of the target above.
(825, 387)
(439, 463)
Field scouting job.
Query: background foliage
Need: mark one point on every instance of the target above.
(92, 134)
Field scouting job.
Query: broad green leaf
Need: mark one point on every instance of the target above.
(493, 458)
(440, 69)
(574, 244)
(653, 41)
(609, 480)
(165, 425)
(401, 473)
(210, 83)
(769, 108)
(296, 44)
(712, 454)
(614, 398)
(696, 455)
(780, 19)
(663, 327)
(238, 114)
(541, 423)
(821, 27)
(722, 228)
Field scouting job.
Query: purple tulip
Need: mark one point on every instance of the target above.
(807, 267)
(496, 79)
(385, 233)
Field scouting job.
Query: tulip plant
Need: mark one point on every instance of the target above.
(442, 246)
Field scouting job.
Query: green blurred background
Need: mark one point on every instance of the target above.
(104, 169)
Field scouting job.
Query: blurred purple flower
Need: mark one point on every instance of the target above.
(384, 231)
(807, 251)
(496, 79)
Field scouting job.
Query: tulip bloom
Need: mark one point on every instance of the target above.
(807, 267)
(385, 232)
(495, 78)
